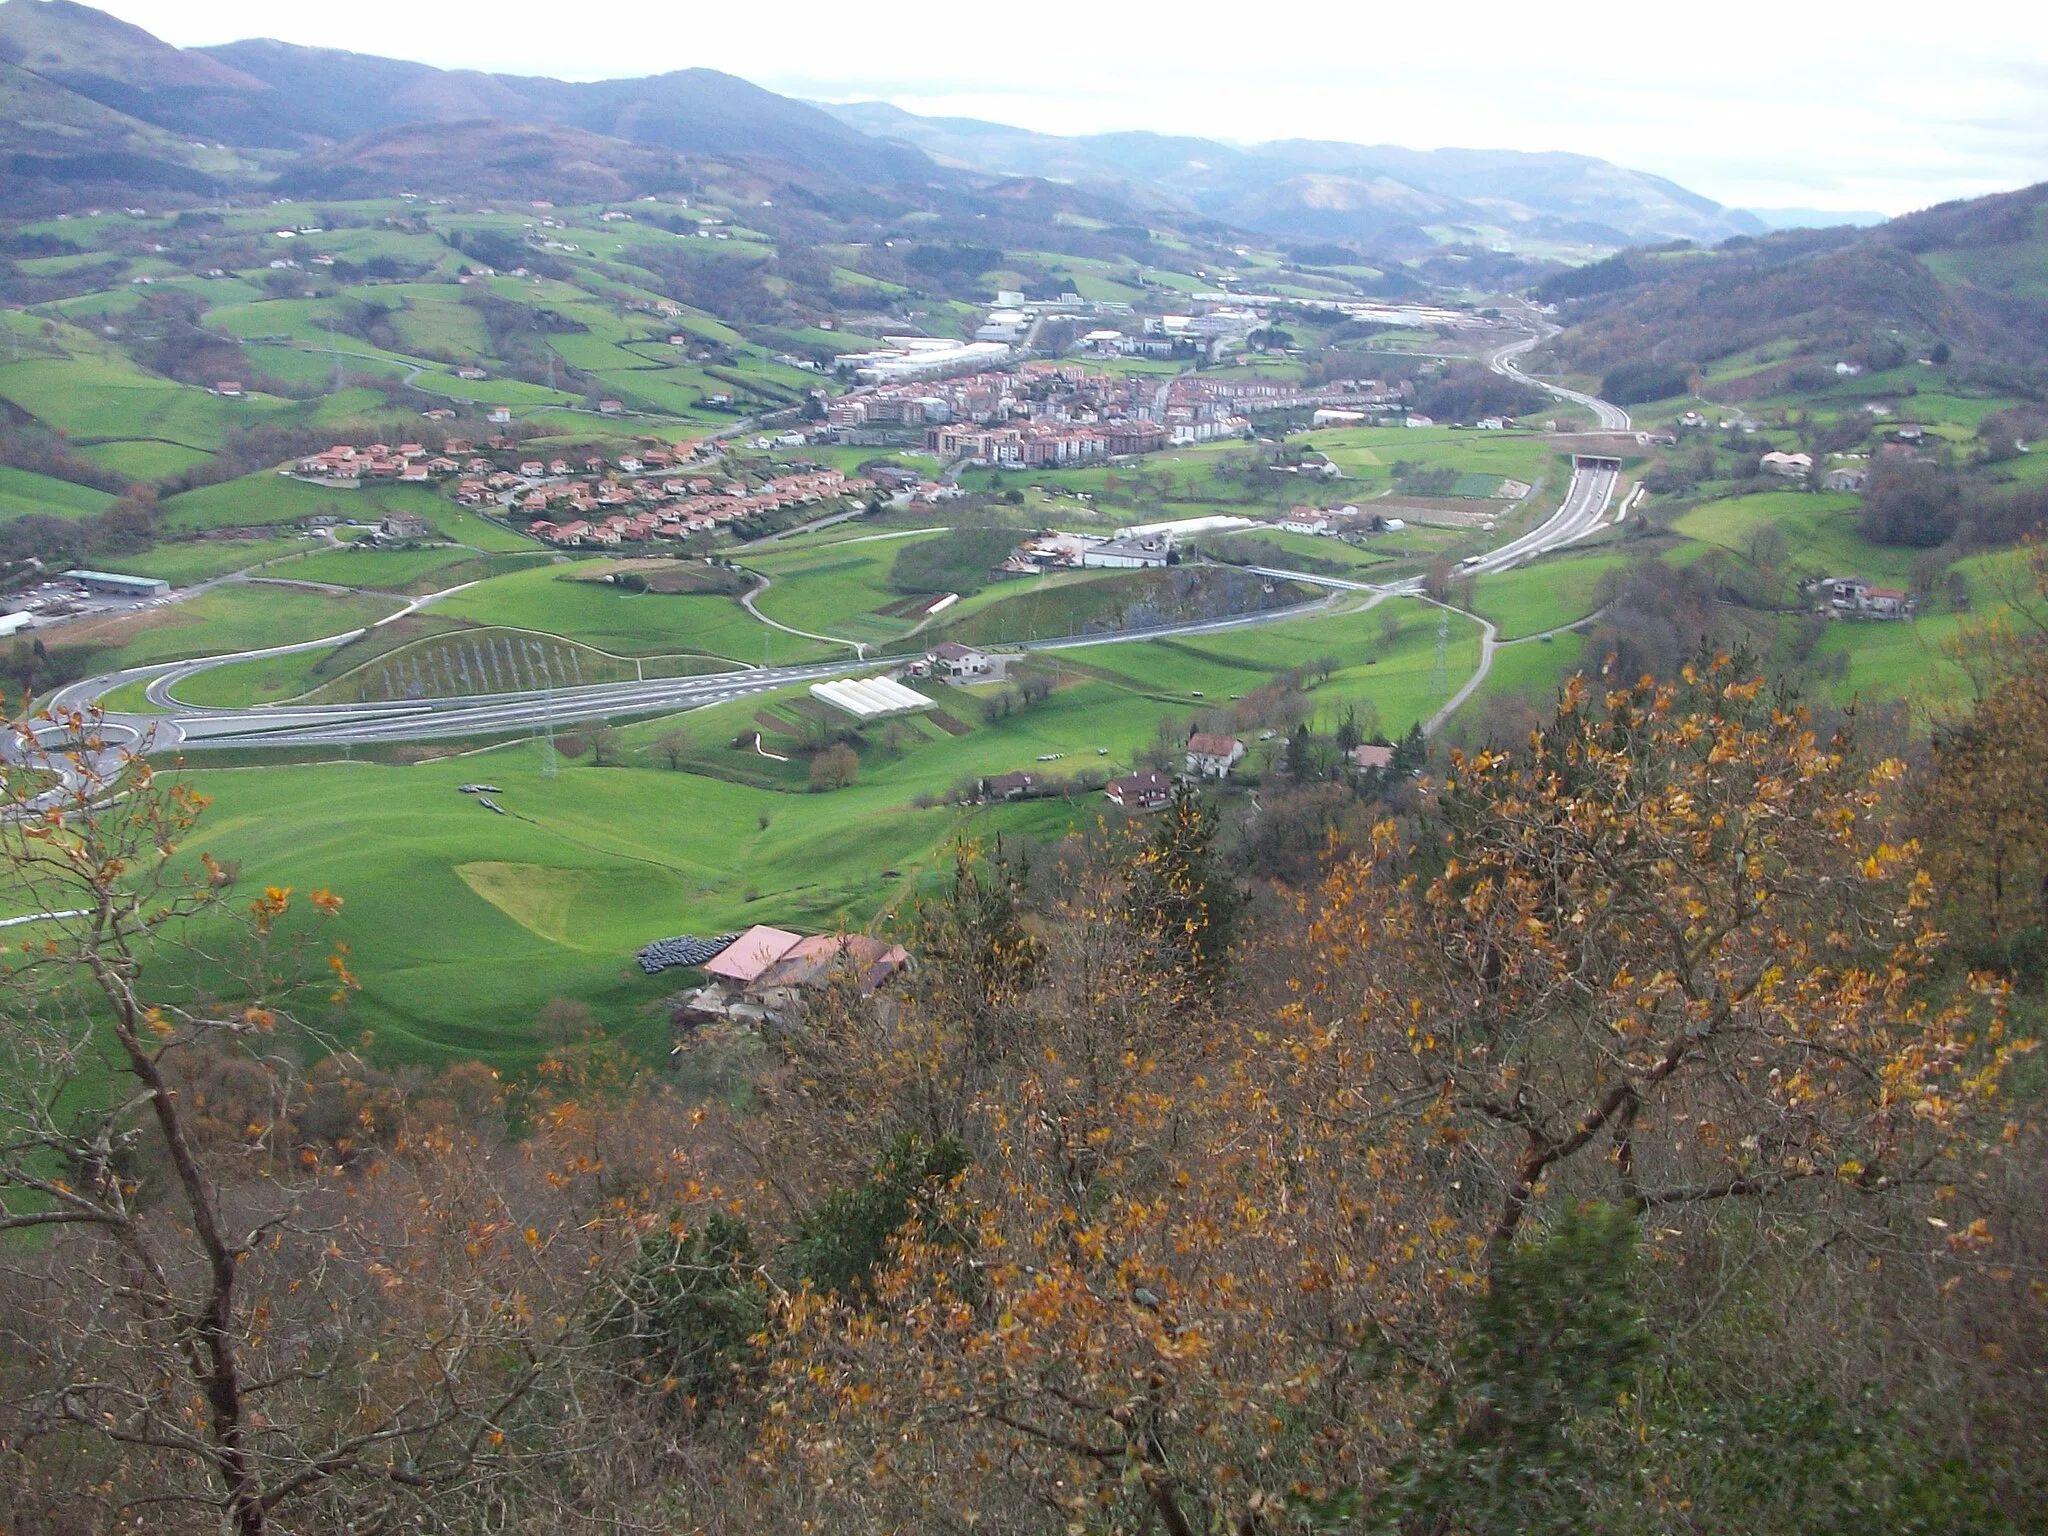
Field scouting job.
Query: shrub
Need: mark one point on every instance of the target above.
(834, 768)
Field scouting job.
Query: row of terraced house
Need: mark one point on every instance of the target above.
(611, 513)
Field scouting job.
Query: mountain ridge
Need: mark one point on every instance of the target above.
(1321, 189)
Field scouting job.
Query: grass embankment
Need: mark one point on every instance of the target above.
(627, 623)
(1547, 595)
(239, 617)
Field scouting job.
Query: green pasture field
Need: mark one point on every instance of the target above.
(1545, 595)
(443, 661)
(1911, 659)
(462, 924)
(1819, 531)
(237, 617)
(834, 591)
(1051, 607)
(195, 560)
(304, 368)
(266, 498)
(625, 623)
(482, 661)
(516, 393)
(300, 320)
(414, 571)
(1395, 677)
(596, 354)
(435, 320)
(1916, 659)
(1357, 560)
(100, 396)
(142, 460)
(357, 408)
(25, 493)
(1531, 670)
(1368, 454)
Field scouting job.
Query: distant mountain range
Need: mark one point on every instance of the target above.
(89, 100)
(83, 79)
(1316, 190)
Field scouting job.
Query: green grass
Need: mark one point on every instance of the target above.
(1530, 672)
(1819, 532)
(267, 498)
(1395, 677)
(1059, 606)
(238, 617)
(23, 493)
(195, 560)
(1546, 595)
(623, 623)
(386, 570)
(833, 591)
(443, 662)
(269, 679)
(1916, 659)
(1353, 560)
(142, 460)
(463, 923)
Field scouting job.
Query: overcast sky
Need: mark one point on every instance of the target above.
(1818, 103)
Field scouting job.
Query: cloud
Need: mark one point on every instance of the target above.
(1837, 104)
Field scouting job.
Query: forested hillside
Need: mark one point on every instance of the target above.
(1964, 278)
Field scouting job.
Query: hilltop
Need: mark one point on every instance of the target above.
(203, 121)
(1962, 281)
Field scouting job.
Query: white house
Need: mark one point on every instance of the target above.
(1793, 466)
(953, 659)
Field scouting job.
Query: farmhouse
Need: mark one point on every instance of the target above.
(1007, 786)
(1213, 756)
(1147, 791)
(763, 974)
(397, 526)
(1845, 479)
(955, 660)
(1853, 597)
(1793, 466)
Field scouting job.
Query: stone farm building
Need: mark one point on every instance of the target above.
(764, 973)
(1212, 756)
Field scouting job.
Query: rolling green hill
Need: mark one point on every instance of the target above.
(1776, 314)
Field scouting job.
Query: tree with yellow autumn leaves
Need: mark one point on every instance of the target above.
(1208, 1269)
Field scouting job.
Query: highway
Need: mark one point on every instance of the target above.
(1585, 506)
(1609, 417)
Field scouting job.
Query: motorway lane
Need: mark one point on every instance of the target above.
(1610, 417)
(1585, 504)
